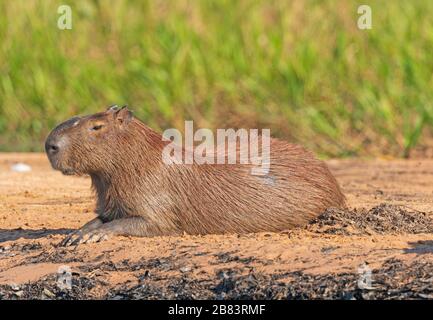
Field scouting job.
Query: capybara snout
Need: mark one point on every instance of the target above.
(56, 139)
(80, 144)
(57, 144)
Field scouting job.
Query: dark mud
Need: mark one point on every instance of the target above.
(393, 280)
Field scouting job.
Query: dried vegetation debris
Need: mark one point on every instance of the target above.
(382, 219)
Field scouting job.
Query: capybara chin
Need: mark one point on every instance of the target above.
(139, 195)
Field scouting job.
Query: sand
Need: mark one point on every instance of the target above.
(39, 207)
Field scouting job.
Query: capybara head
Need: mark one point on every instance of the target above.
(85, 145)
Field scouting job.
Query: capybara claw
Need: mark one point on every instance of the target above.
(96, 236)
(69, 239)
(78, 238)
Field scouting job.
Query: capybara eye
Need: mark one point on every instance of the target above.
(97, 127)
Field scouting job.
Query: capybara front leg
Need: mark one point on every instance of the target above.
(133, 226)
(88, 227)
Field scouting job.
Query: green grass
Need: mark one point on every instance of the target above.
(301, 68)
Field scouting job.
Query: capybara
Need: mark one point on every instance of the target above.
(138, 194)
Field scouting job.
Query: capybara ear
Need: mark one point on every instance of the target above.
(123, 116)
(113, 108)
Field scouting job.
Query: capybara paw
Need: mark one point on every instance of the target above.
(79, 237)
(70, 238)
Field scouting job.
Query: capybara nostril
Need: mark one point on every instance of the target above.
(53, 149)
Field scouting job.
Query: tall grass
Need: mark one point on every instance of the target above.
(301, 68)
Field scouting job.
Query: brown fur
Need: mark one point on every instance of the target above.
(132, 184)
